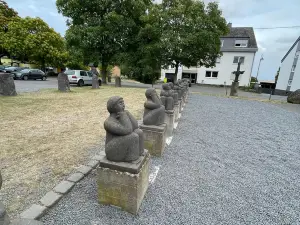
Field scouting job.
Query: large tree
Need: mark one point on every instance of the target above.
(34, 38)
(191, 33)
(143, 61)
(103, 28)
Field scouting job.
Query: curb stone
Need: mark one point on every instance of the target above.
(35, 211)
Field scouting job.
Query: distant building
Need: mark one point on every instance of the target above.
(239, 44)
(289, 76)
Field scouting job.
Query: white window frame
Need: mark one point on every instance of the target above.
(239, 57)
(211, 73)
(241, 43)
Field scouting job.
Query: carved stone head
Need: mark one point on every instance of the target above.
(166, 87)
(150, 92)
(115, 104)
(171, 85)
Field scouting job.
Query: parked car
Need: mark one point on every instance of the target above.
(11, 69)
(30, 74)
(81, 77)
(19, 69)
(2, 68)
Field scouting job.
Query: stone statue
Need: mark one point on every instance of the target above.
(154, 113)
(175, 94)
(294, 97)
(95, 80)
(166, 95)
(4, 219)
(63, 81)
(124, 141)
(7, 85)
(179, 89)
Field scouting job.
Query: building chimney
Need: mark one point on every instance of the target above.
(229, 25)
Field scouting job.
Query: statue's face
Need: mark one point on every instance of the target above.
(120, 106)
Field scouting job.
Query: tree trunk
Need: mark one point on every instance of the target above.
(109, 78)
(176, 72)
(118, 81)
(7, 85)
(104, 72)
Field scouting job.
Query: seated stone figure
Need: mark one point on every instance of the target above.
(166, 96)
(179, 89)
(124, 141)
(175, 94)
(154, 113)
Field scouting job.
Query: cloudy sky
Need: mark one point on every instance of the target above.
(273, 43)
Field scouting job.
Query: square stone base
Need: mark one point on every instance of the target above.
(154, 138)
(122, 189)
(169, 120)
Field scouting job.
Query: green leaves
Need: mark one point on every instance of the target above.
(191, 33)
(33, 38)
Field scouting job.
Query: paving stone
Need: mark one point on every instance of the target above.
(25, 222)
(34, 212)
(93, 163)
(63, 187)
(84, 169)
(50, 199)
(75, 177)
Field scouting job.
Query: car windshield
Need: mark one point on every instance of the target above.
(70, 72)
(25, 71)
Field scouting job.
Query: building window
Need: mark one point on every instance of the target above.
(238, 59)
(290, 82)
(293, 68)
(241, 43)
(212, 74)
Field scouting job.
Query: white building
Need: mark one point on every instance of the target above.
(239, 44)
(289, 76)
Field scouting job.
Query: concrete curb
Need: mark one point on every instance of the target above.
(36, 211)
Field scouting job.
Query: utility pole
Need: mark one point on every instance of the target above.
(261, 59)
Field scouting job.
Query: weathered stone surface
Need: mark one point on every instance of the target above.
(234, 89)
(50, 199)
(166, 96)
(100, 156)
(154, 113)
(124, 139)
(7, 85)
(4, 219)
(64, 187)
(123, 189)
(95, 82)
(34, 212)
(294, 97)
(174, 93)
(75, 177)
(63, 82)
(169, 120)
(93, 163)
(25, 222)
(176, 112)
(84, 169)
(155, 138)
(118, 82)
(130, 167)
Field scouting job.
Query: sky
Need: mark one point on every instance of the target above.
(272, 43)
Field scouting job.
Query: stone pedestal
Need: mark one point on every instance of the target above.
(176, 111)
(169, 120)
(234, 89)
(154, 138)
(123, 184)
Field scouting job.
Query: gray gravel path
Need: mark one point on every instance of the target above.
(231, 162)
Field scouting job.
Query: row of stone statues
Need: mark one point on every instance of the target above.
(124, 139)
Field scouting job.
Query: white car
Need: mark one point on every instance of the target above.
(81, 77)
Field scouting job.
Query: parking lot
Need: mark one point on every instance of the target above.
(35, 85)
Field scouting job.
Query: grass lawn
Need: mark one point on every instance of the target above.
(45, 135)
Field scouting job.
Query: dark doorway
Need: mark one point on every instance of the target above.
(191, 76)
(170, 77)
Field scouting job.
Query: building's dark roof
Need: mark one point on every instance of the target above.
(243, 32)
(290, 49)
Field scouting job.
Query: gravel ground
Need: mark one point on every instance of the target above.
(231, 162)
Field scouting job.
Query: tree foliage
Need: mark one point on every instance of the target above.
(191, 33)
(34, 38)
(143, 62)
(103, 28)
(7, 14)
